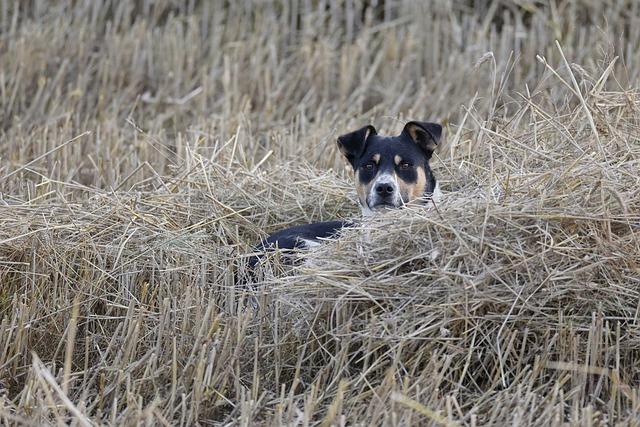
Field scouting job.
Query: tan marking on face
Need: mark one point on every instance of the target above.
(362, 189)
(376, 158)
(421, 184)
(415, 190)
(397, 159)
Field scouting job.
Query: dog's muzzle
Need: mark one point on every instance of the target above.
(384, 193)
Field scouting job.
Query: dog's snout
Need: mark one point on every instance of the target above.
(384, 192)
(384, 189)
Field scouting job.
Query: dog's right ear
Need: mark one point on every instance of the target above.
(352, 144)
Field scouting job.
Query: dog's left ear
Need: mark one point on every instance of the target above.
(352, 144)
(426, 135)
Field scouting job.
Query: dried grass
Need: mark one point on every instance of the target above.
(146, 146)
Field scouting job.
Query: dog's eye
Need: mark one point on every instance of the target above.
(368, 166)
(404, 166)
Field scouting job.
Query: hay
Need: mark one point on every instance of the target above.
(133, 187)
(522, 286)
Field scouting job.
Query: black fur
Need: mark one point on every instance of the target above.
(294, 237)
(388, 147)
(353, 144)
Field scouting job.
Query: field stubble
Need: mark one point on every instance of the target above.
(146, 145)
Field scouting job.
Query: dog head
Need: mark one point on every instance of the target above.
(391, 171)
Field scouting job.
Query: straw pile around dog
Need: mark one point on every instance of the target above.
(516, 301)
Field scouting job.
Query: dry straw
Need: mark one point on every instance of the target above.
(145, 146)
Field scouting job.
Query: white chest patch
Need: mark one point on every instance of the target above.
(435, 197)
(308, 243)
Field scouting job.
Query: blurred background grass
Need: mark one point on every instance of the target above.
(151, 79)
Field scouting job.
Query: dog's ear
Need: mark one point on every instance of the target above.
(352, 144)
(426, 135)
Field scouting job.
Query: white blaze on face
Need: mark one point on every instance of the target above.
(385, 179)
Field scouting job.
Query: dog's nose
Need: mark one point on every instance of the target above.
(385, 189)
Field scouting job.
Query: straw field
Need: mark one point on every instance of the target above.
(147, 145)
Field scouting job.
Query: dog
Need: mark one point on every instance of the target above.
(389, 171)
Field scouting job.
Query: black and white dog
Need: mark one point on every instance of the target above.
(390, 171)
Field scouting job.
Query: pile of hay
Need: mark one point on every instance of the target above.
(147, 145)
(515, 301)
